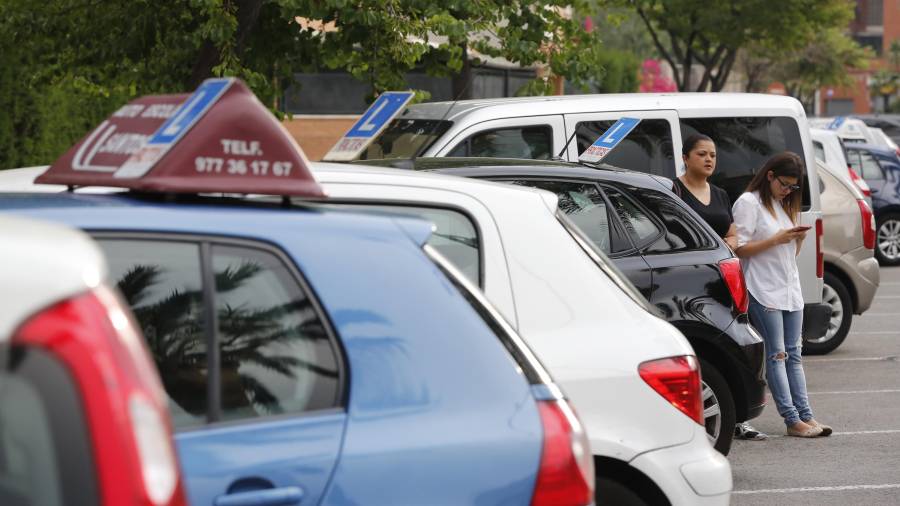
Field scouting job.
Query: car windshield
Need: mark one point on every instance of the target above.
(405, 138)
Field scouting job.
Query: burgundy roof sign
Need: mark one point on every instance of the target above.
(219, 139)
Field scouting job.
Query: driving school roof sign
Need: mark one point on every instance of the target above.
(219, 139)
(609, 140)
(369, 125)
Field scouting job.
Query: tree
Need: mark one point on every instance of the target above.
(824, 61)
(66, 64)
(712, 32)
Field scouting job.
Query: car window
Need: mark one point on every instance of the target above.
(161, 283)
(869, 166)
(681, 233)
(534, 142)
(638, 224)
(45, 457)
(820, 150)
(275, 355)
(583, 204)
(647, 148)
(455, 236)
(404, 138)
(743, 144)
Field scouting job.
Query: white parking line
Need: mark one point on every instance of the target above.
(851, 359)
(816, 489)
(875, 332)
(849, 433)
(856, 392)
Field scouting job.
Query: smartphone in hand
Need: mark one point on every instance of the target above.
(801, 228)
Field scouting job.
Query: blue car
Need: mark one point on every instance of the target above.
(880, 167)
(311, 356)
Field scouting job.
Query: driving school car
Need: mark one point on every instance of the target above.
(308, 355)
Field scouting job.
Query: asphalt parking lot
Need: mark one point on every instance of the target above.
(856, 390)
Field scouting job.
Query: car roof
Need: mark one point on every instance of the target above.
(688, 104)
(207, 215)
(499, 166)
(45, 263)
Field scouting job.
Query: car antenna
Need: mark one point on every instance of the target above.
(424, 146)
(566, 146)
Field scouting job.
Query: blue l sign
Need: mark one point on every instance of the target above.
(190, 111)
(372, 122)
(836, 123)
(379, 113)
(610, 139)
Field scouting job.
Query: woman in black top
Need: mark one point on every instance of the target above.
(714, 206)
(708, 200)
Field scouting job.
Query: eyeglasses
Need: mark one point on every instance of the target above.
(786, 186)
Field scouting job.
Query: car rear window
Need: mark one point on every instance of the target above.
(743, 144)
(405, 138)
(45, 452)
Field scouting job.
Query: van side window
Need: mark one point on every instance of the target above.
(820, 150)
(648, 148)
(532, 142)
(743, 144)
(867, 166)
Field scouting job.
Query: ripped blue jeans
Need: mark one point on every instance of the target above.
(781, 331)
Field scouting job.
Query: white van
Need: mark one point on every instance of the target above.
(747, 129)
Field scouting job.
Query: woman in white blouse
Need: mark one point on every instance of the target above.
(769, 239)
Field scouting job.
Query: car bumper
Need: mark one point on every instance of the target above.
(861, 266)
(750, 369)
(690, 474)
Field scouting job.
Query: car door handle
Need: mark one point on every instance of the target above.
(284, 496)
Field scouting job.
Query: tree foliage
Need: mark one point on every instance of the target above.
(66, 64)
(712, 32)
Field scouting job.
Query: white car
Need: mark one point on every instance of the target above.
(83, 417)
(829, 148)
(585, 322)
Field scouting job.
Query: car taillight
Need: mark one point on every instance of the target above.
(677, 379)
(566, 473)
(860, 182)
(820, 256)
(868, 224)
(734, 278)
(123, 399)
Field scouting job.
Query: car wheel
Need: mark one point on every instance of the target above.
(718, 408)
(887, 240)
(834, 293)
(608, 491)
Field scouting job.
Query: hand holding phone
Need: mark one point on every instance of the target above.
(801, 228)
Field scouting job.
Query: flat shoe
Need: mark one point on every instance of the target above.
(826, 430)
(811, 431)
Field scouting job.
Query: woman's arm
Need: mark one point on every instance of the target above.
(731, 238)
(783, 236)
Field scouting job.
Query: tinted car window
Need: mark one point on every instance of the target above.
(647, 148)
(637, 222)
(743, 144)
(45, 456)
(276, 356)
(534, 142)
(583, 205)
(161, 283)
(455, 236)
(404, 138)
(682, 232)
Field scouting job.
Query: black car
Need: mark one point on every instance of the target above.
(672, 256)
(880, 167)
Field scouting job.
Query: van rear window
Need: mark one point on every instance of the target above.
(743, 144)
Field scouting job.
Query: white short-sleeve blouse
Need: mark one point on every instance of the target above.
(772, 275)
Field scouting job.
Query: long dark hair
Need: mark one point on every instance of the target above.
(784, 164)
(691, 142)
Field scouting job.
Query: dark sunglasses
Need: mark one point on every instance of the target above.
(791, 187)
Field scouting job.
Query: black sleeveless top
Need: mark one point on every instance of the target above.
(717, 214)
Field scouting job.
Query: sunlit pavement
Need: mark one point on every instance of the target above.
(856, 390)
